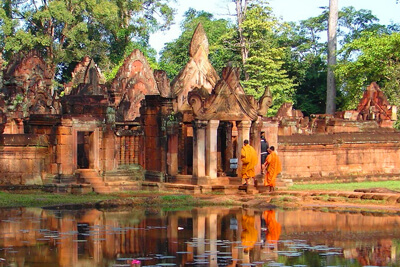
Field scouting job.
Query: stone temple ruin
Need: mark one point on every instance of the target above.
(140, 130)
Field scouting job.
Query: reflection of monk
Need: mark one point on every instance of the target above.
(273, 227)
(249, 232)
(273, 168)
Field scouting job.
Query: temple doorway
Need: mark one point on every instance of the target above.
(85, 145)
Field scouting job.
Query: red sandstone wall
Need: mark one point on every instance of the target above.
(334, 156)
(21, 165)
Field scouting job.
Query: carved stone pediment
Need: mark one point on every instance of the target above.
(87, 79)
(27, 86)
(134, 80)
(198, 72)
(374, 105)
(226, 103)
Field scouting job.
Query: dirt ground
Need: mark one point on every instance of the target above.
(376, 200)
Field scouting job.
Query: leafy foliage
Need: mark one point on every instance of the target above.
(66, 31)
(264, 65)
(367, 59)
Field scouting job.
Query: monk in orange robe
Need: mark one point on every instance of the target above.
(274, 227)
(249, 159)
(273, 167)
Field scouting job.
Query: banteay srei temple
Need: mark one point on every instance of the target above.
(142, 130)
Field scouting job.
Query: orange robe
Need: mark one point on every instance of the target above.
(274, 228)
(249, 161)
(273, 169)
(249, 233)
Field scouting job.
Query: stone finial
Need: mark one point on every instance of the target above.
(198, 72)
(265, 102)
(199, 41)
(163, 83)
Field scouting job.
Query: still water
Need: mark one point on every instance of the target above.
(198, 237)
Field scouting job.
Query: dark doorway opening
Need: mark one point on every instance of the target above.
(85, 141)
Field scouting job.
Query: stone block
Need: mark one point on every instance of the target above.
(61, 130)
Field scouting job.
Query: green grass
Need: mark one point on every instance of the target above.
(392, 185)
(42, 199)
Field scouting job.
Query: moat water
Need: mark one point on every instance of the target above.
(198, 237)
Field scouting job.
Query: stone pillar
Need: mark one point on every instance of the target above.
(172, 155)
(255, 141)
(212, 149)
(229, 146)
(243, 134)
(271, 132)
(199, 148)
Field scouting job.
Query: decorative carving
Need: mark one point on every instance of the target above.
(27, 86)
(87, 79)
(198, 72)
(265, 102)
(227, 102)
(132, 83)
(163, 83)
(374, 105)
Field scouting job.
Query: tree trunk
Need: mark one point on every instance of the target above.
(241, 10)
(332, 47)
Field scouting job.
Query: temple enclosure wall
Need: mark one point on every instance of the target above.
(24, 159)
(340, 157)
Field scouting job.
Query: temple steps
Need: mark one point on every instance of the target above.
(92, 177)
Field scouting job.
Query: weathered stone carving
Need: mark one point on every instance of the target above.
(87, 79)
(198, 72)
(265, 102)
(227, 102)
(27, 86)
(163, 83)
(132, 83)
(374, 105)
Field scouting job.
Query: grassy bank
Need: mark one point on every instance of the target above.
(392, 185)
(37, 198)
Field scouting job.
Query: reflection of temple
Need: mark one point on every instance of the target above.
(141, 127)
(206, 236)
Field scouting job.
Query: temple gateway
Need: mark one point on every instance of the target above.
(141, 130)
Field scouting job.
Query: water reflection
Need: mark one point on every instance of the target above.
(200, 237)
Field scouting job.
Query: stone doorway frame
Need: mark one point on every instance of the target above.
(94, 148)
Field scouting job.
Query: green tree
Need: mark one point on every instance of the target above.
(66, 30)
(370, 58)
(306, 62)
(265, 58)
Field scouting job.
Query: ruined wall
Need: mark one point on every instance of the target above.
(24, 159)
(326, 157)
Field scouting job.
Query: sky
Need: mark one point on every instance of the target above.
(387, 11)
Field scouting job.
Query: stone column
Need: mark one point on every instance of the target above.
(172, 155)
(243, 134)
(199, 148)
(271, 132)
(255, 142)
(212, 149)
